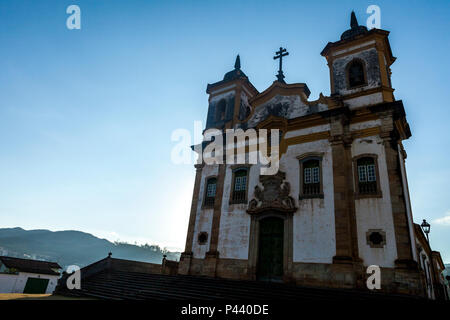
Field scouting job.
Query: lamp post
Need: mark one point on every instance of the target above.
(426, 228)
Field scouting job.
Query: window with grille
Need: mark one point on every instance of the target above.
(311, 177)
(240, 186)
(367, 176)
(210, 192)
(356, 74)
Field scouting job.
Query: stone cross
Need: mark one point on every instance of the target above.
(279, 55)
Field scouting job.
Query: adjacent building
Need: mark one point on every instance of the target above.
(28, 276)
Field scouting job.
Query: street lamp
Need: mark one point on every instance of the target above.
(426, 228)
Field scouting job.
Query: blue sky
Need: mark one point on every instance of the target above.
(86, 115)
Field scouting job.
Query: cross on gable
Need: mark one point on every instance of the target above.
(279, 55)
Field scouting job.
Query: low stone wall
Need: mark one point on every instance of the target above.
(134, 266)
(232, 269)
(394, 281)
(225, 268)
(169, 267)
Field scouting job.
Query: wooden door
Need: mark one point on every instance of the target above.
(36, 285)
(270, 257)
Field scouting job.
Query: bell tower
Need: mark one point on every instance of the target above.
(360, 66)
(228, 99)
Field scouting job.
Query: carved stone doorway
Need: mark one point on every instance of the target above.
(271, 229)
(270, 255)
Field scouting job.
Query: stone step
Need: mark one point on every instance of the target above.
(110, 284)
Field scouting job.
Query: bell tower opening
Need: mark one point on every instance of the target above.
(356, 74)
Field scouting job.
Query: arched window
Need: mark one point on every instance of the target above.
(239, 194)
(220, 110)
(367, 175)
(210, 195)
(355, 74)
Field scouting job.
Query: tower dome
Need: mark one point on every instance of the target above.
(355, 28)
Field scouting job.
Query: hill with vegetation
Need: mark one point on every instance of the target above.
(74, 247)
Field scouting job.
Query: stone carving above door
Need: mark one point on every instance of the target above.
(273, 196)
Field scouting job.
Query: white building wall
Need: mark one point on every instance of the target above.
(310, 130)
(235, 221)
(224, 95)
(313, 224)
(314, 233)
(366, 100)
(8, 283)
(15, 283)
(375, 213)
(203, 218)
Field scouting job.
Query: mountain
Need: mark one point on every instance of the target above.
(73, 247)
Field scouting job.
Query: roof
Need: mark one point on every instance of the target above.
(32, 266)
(437, 256)
(235, 74)
(355, 28)
(278, 87)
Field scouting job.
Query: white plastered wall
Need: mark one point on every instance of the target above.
(203, 218)
(313, 223)
(15, 283)
(375, 213)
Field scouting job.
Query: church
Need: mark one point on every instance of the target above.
(336, 207)
(339, 202)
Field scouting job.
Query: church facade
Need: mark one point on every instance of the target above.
(339, 201)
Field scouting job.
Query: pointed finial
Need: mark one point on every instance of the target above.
(353, 21)
(237, 64)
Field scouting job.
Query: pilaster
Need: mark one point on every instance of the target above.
(344, 204)
(399, 213)
(185, 259)
(212, 255)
